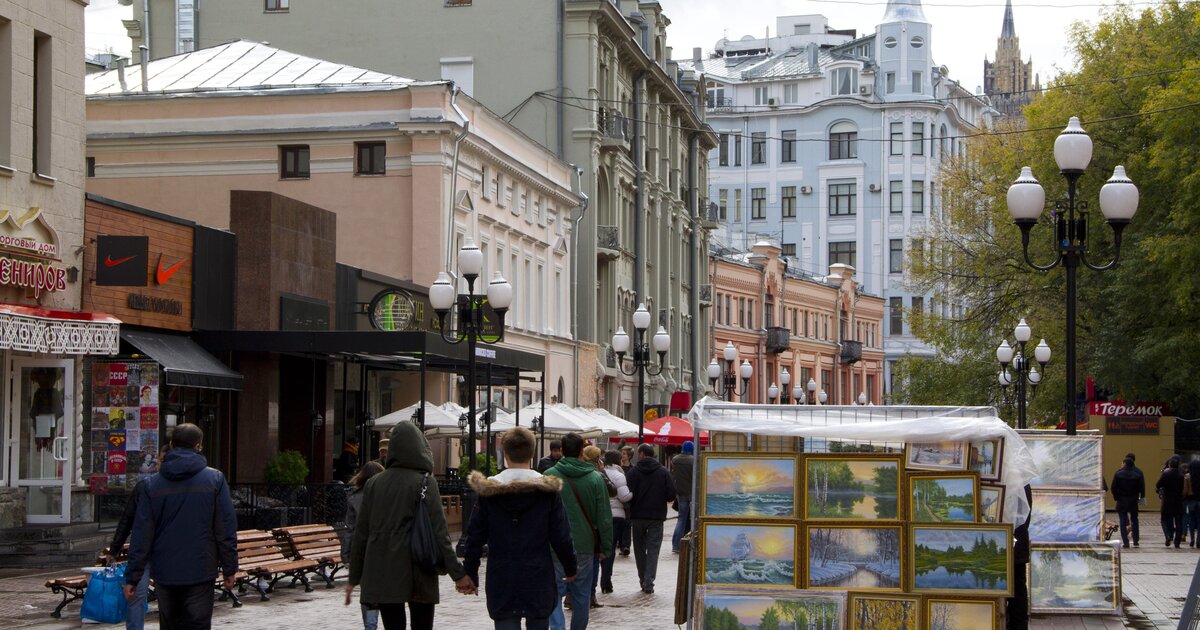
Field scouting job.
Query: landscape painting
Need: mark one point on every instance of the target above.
(960, 614)
(962, 559)
(748, 553)
(851, 487)
(1066, 515)
(943, 497)
(731, 609)
(859, 558)
(1074, 578)
(991, 503)
(1066, 462)
(749, 486)
(936, 456)
(884, 612)
(987, 458)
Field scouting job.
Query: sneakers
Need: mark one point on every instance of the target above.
(1125, 545)
(624, 551)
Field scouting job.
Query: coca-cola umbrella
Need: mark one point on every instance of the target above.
(672, 430)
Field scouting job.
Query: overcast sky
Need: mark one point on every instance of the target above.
(964, 31)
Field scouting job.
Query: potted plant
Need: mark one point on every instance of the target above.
(286, 473)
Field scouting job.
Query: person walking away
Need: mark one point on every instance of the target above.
(616, 476)
(381, 552)
(135, 613)
(585, 499)
(591, 455)
(1170, 489)
(626, 537)
(556, 453)
(1128, 490)
(1192, 499)
(370, 616)
(186, 531)
(682, 466)
(653, 490)
(519, 511)
(347, 462)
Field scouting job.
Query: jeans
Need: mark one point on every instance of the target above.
(1172, 525)
(683, 522)
(622, 534)
(394, 618)
(1129, 520)
(514, 623)
(370, 617)
(1193, 516)
(580, 591)
(135, 611)
(647, 541)
(185, 607)
(606, 566)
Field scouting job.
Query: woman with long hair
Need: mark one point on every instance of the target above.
(353, 504)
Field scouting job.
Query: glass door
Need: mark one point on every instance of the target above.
(43, 430)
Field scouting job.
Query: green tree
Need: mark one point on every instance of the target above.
(770, 620)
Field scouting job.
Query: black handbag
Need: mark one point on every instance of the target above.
(425, 550)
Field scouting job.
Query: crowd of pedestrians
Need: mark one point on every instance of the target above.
(1178, 489)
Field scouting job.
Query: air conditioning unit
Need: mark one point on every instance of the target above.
(771, 102)
(864, 90)
(873, 188)
(806, 190)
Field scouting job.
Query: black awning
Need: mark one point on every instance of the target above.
(184, 362)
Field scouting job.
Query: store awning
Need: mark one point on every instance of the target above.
(185, 363)
(36, 329)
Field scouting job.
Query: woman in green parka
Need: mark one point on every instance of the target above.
(380, 558)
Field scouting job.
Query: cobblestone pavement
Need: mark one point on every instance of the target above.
(1155, 583)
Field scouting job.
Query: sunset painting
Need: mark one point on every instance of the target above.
(736, 486)
(743, 553)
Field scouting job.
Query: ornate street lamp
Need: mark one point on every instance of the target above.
(1022, 372)
(725, 381)
(641, 357)
(1118, 203)
(814, 396)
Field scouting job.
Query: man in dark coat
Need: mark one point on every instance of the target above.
(186, 530)
(1128, 489)
(1192, 500)
(548, 462)
(519, 511)
(653, 490)
(681, 475)
(1170, 490)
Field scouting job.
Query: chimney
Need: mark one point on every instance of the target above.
(697, 54)
(121, 74)
(145, 65)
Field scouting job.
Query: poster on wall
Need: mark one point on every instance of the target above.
(124, 444)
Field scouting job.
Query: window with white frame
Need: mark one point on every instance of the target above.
(844, 81)
(918, 86)
(761, 94)
(791, 93)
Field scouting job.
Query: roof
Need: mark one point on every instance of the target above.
(789, 63)
(239, 66)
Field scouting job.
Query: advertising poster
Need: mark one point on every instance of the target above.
(116, 462)
(124, 441)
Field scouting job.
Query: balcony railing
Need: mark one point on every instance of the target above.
(778, 339)
(851, 351)
(705, 294)
(613, 126)
(608, 237)
(719, 104)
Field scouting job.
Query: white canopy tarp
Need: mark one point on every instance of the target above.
(561, 419)
(612, 424)
(438, 420)
(895, 424)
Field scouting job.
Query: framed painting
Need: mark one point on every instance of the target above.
(745, 485)
(943, 497)
(1075, 578)
(748, 553)
(936, 456)
(1066, 462)
(951, 613)
(724, 608)
(856, 557)
(986, 457)
(991, 503)
(1066, 515)
(851, 487)
(961, 559)
(876, 612)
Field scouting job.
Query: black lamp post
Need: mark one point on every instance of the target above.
(641, 356)
(781, 392)
(443, 295)
(1118, 203)
(1023, 373)
(815, 397)
(725, 380)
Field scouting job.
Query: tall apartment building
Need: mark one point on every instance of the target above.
(590, 79)
(831, 145)
(1009, 82)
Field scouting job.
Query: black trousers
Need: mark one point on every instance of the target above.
(394, 617)
(185, 607)
(1129, 524)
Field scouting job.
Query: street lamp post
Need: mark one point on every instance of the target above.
(725, 380)
(641, 357)
(781, 391)
(1023, 373)
(815, 397)
(443, 295)
(1118, 203)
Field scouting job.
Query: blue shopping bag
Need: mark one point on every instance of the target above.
(104, 600)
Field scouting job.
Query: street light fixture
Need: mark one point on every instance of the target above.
(641, 357)
(772, 393)
(725, 380)
(1023, 373)
(785, 378)
(1118, 203)
(471, 322)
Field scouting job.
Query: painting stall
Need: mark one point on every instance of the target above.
(853, 517)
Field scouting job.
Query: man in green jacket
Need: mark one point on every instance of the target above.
(585, 498)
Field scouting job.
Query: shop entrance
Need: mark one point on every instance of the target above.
(39, 427)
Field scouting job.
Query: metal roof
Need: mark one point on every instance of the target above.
(793, 62)
(238, 66)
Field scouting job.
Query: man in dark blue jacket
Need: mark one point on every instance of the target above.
(186, 530)
(653, 490)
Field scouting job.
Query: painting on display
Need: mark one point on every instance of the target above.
(991, 503)
(936, 456)
(1075, 578)
(1066, 462)
(961, 559)
(986, 457)
(943, 497)
(875, 612)
(1066, 515)
(853, 557)
(851, 487)
(945, 613)
(748, 485)
(722, 608)
(748, 553)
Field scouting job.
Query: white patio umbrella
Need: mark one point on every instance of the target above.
(619, 426)
(438, 421)
(560, 419)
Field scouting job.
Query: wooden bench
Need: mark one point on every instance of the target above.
(262, 557)
(318, 543)
(71, 588)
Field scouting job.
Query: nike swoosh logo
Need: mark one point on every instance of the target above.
(162, 275)
(109, 262)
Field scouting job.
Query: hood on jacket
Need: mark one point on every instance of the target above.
(647, 464)
(182, 463)
(573, 467)
(493, 487)
(408, 448)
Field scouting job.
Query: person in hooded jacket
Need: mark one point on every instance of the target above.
(519, 511)
(380, 552)
(653, 490)
(612, 469)
(186, 529)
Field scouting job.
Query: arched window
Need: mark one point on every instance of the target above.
(562, 390)
(843, 141)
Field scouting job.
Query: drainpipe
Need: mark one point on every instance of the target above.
(559, 92)
(145, 31)
(746, 174)
(639, 196)
(694, 307)
(145, 63)
(466, 128)
(583, 206)
(761, 343)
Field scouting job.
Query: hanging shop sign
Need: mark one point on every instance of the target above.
(1120, 418)
(29, 253)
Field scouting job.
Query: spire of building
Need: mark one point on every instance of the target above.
(1008, 30)
(904, 11)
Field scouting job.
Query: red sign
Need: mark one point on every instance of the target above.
(1121, 409)
(1131, 426)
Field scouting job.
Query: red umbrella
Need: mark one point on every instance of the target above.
(672, 430)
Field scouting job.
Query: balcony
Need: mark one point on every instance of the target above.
(608, 241)
(710, 215)
(719, 105)
(705, 295)
(614, 129)
(778, 339)
(851, 352)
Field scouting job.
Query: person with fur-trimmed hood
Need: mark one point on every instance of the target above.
(519, 511)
